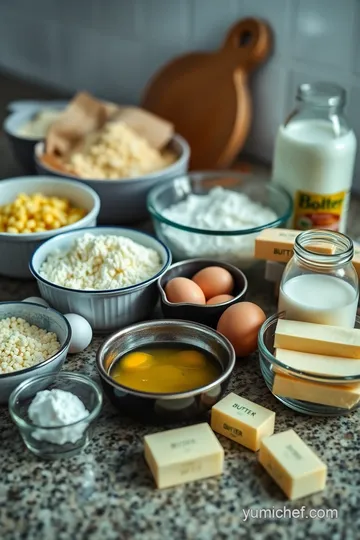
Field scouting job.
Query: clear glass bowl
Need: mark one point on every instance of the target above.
(270, 366)
(55, 442)
(232, 246)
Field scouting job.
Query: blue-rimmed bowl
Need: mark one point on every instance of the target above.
(20, 113)
(17, 249)
(51, 321)
(234, 246)
(106, 310)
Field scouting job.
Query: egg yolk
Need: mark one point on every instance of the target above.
(191, 359)
(136, 360)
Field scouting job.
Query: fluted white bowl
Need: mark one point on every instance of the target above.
(106, 310)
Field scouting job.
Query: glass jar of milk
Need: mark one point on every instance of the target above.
(320, 284)
(314, 158)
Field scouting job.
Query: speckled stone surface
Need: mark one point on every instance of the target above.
(107, 492)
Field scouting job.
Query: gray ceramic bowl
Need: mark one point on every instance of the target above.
(43, 317)
(20, 112)
(163, 408)
(208, 315)
(124, 200)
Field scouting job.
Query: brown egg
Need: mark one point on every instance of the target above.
(180, 289)
(214, 280)
(219, 299)
(240, 323)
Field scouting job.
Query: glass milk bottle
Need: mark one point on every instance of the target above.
(314, 158)
(320, 284)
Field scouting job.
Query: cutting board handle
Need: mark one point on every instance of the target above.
(248, 43)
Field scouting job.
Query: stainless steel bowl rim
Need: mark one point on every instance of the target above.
(264, 351)
(212, 262)
(100, 292)
(197, 177)
(11, 237)
(62, 375)
(167, 322)
(54, 356)
(185, 154)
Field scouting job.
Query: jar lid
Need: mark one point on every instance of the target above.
(322, 94)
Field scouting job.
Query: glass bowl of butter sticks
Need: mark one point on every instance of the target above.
(311, 368)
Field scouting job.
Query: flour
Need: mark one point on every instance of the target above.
(101, 262)
(54, 409)
(221, 210)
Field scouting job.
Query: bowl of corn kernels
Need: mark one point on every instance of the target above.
(33, 209)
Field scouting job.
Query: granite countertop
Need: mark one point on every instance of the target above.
(107, 492)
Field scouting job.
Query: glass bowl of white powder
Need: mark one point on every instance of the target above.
(216, 215)
(55, 415)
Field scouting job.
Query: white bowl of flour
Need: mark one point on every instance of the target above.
(216, 215)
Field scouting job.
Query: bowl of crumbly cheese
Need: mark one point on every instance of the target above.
(34, 340)
(106, 274)
(121, 166)
(216, 215)
(55, 414)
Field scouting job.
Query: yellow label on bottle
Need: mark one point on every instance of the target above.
(315, 211)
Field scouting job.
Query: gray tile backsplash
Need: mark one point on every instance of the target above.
(112, 47)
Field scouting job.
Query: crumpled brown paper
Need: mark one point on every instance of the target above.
(86, 115)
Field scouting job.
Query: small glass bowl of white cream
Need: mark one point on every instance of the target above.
(55, 414)
(313, 384)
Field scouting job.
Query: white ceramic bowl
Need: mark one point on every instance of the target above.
(16, 249)
(20, 113)
(43, 317)
(106, 310)
(124, 200)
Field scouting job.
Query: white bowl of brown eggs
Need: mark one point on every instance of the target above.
(34, 209)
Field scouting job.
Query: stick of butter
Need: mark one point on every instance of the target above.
(278, 244)
(292, 464)
(317, 338)
(242, 421)
(182, 455)
(345, 396)
(319, 364)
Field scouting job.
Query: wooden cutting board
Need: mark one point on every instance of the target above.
(206, 96)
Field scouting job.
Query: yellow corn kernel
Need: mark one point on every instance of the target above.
(31, 224)
(36, 212)
(12, 220)
(12, 230)
(48, 219)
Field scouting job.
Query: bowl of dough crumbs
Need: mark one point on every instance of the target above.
(121, 166)
(216, 215)
(34, 340)
(55, 414)
(106, 274)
